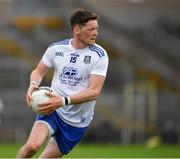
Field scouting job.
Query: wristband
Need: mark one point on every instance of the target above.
(67, 100)
(63, 101)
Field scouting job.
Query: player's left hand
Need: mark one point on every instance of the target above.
(53, 103)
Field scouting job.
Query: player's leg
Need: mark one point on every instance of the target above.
(38, 136)
(51, 151)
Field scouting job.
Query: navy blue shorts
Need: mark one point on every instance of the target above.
(66, 136)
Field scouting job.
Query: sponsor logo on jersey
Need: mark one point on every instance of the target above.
(70, 71)
(69, 76)
(87, 59)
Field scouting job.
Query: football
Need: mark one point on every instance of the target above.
(39, 97)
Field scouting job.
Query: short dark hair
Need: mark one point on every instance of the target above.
(81, 17)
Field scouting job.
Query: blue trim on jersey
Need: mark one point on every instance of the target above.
(66, 136)
(98, 50)
(63, 42)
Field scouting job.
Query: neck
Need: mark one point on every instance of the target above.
(78, 44)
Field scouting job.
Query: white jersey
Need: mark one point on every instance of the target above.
(72, 68)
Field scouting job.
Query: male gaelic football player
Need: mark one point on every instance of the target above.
(80, 67)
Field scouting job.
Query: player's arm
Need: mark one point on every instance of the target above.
(35, 79)
(38, 73)
(91, 93)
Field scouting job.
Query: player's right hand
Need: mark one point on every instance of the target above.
(31, 88)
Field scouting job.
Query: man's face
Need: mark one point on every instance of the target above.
(87, 33)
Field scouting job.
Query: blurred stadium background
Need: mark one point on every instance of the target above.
(141, 97)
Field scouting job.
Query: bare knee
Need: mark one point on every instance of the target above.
(28, 150)
(31, 147)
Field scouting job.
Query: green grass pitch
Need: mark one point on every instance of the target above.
(105, 151)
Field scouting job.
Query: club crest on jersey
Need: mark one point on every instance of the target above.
(87, 59)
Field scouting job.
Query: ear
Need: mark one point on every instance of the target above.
(76, 29)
